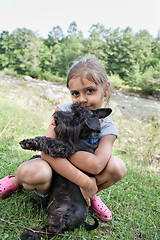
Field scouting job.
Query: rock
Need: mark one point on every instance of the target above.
(28, 78)
(115, 108)
(49, 94)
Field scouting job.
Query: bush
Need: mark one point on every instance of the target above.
(50, 77)
(116, 81)
(149, 84)
(35, 73)
(10, 72)
(156, 71)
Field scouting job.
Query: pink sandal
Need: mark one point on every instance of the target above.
(100, 210)
(7, 187)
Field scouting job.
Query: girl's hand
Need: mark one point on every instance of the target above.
(89, 190)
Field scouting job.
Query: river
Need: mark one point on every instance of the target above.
(142, 108)
(129, 105)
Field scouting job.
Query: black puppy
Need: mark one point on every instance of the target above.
(76, 130)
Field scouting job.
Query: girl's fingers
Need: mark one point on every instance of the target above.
(88, 202)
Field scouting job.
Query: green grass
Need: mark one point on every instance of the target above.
(134, 201)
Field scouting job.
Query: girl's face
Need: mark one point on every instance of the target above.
(87, 92)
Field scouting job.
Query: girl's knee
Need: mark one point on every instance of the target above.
(34, 171)
(117, 168)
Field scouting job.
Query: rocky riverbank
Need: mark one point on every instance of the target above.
(127, 103)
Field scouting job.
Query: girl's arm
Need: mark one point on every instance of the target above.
(94, 163)
(66, 169)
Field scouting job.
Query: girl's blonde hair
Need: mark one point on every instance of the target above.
(91, 69)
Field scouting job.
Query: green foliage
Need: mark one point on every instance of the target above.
(116, 81)
(121, 58)
(50, 77)
(72, 29)
(148, 83)
(95, 45)
(6, 50)
(144, 48)
(123, 53)
(34, 72)
(10, 72)
(65, 54)
(156, 70)
(54, 36)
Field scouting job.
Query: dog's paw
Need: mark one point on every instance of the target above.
(29, 144)
(29, 236)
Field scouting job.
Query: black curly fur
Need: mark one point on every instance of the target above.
(67, 209)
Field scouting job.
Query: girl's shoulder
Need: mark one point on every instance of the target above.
(65, 106)
(108, 127)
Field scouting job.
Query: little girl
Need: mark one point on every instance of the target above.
(88, 83)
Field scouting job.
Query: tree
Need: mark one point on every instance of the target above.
(22, 40)
(156, 51)
(54, 36)
(95, 44)
(46, 59)
(121, 54)
(6, 49)
(144, 48)
(66, 53)
(72, 28)
(22, 36)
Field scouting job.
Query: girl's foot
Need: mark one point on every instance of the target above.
(100, 210)
(7, 187)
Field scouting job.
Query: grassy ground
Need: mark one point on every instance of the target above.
(134, 201)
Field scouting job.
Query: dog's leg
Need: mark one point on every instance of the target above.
(33, 143)
(37, 234)
(29, 235)
(51, 146)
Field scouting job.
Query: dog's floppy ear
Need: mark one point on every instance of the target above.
(59, 116)
(56, 116)
(102, 112)
(93, 123)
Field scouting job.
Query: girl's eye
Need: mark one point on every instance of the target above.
(75, 94)
(90, 90)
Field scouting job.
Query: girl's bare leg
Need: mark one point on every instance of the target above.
(112, 173)
(35, 174)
